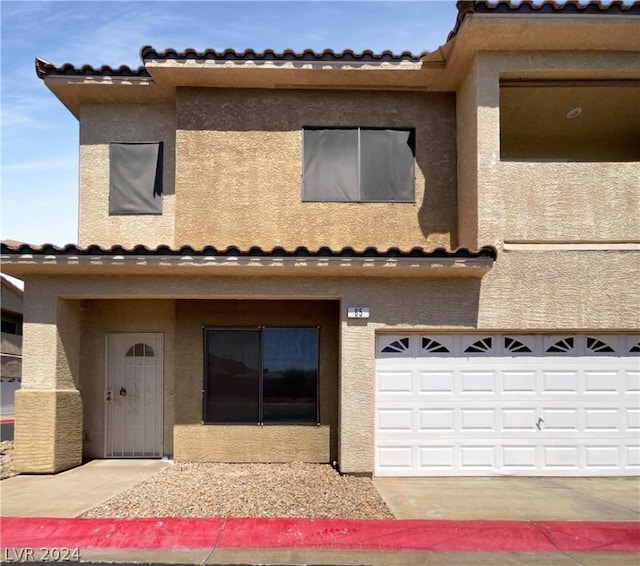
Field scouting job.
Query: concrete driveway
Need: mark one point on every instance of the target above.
(529, 499)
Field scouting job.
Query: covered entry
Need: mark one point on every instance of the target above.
(498, 404)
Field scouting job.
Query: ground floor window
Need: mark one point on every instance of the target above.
(261, 375)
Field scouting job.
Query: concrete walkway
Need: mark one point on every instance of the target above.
(71, 493)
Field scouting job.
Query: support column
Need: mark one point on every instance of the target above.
(48, 407)
(357, 394)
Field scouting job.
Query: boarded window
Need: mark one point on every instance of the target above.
(359, 164)
(135, 178)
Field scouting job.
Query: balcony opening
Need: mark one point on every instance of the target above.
(574, 121)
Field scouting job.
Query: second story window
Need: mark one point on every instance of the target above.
(359, 165)
(135, 178)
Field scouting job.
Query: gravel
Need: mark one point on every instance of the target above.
(248, 490)
(6, 459)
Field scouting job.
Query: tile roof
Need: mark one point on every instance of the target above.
(44, 68)
(488, 252)
(465, 7)
(147, 53)
(570, 7)
(348, 55)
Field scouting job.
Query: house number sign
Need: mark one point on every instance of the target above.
(357, 312)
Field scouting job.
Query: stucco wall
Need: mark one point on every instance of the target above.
(467, 141)
(100, 125)
(100, 318)
(230, 442)
(48, 407)
(48, 430)
(239, 169)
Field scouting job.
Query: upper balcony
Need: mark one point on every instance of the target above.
(570, 159)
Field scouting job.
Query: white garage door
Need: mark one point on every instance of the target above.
(476, 405)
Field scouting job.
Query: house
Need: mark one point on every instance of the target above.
(410, 264)
(11, 350)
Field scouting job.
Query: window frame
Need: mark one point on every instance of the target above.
(260, 421)
(412, 136)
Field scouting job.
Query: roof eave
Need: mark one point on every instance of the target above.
(28, 264)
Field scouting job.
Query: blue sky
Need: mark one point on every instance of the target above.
(40, 137)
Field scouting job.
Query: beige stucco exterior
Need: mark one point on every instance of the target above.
(100, 125)
(525, 292)
(567, 233)
(248, 144)
(265, 443)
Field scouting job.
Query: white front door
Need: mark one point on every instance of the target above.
(133, 395)
(502, 404)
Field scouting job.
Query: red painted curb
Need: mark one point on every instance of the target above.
(323, 534)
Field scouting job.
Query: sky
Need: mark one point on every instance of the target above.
(39, 143)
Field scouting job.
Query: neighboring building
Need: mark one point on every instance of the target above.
(409, 264)
(11, 346)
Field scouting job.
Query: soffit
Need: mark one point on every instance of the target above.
(607, 112)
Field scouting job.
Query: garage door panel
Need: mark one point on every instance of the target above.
(599, 457)
(520, 382)
(514, 405)
(478, 382)
(519, 457)
(396, 382)
(601, 382)
(478, 457)
(436, 382)
(434, 458)
(392, 459)
(395, 420)
(478, 420)
(560, 420)
(603, 420)
(519, 419)
(633, 381)
(559, 382)
(632, 454)
(441, 420)
(560, 457)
